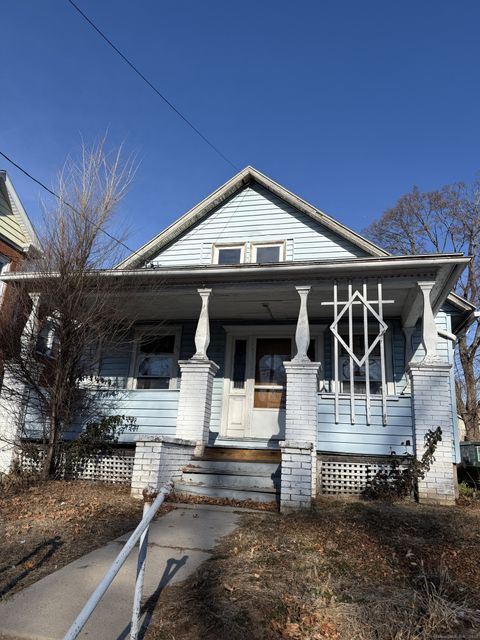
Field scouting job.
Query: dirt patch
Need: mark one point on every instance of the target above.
(48, 525)
(347, 571)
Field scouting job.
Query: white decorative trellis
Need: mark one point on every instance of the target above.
(343, 310)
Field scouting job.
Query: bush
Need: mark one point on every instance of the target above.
(399, 479)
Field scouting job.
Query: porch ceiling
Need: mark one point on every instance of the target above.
(268, 302)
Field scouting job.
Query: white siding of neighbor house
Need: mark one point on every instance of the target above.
(252, 215)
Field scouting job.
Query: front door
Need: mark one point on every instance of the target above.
(256, 388)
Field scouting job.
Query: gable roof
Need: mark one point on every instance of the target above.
(242, 179)
(18, 231)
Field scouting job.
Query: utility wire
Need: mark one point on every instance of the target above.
(60, 199)
(152, 86)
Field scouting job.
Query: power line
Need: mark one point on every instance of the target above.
(152, 86)
(60, 199)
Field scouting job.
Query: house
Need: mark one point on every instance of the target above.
(18, 240)
(286, 338)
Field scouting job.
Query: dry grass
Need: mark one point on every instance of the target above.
(45, 525)
(349, 571)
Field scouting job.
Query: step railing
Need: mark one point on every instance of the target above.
(153, 502)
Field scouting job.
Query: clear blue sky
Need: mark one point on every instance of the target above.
(348, 103)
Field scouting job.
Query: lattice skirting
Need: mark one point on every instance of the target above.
(346, 478)
(115, 468)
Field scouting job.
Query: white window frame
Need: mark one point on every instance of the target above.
(228, 245)
(270, 243)
(139, 334)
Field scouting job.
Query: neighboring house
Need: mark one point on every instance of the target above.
(18, 240)
(288, 337)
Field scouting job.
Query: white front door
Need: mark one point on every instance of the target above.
(255, 387)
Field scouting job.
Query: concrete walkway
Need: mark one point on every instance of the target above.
(178, 543)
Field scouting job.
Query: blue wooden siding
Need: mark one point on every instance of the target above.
(155, 410)
(442, 322)
(361, 438)
(254, 214)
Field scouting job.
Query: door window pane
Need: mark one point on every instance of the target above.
(269, 399)
(239, 364)
(229, 256)
(268, 254)
(270, 355)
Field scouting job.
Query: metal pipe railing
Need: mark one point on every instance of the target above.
(141, 532)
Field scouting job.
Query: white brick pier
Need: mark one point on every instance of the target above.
(432, 408)
(195, 401)
(158, 460)
(299, 466)
(299, 472)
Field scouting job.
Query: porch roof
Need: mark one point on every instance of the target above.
(267, 292)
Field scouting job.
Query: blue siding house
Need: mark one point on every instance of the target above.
(266, 330)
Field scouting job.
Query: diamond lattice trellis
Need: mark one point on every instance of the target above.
(382, 327)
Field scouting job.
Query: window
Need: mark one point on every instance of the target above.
(156, 361)
(229, 254)
(359, 378)
(270, 252)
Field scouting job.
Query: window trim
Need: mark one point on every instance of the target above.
(216, 247)
(269, 243)
(139, 334)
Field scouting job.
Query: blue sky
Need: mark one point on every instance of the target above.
(347, 103)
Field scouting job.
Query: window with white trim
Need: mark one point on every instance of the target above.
(156, 361)
(228, 253)
(268, 252)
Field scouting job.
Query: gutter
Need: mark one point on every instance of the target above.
(457, 260)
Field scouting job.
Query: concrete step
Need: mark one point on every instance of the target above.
(231, 481)
(225, 492)
(198, 465)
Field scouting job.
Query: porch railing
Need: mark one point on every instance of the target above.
(153, 502)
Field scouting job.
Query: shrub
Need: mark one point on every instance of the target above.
(400, 478)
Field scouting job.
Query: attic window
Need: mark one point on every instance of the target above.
(268, 252)
(228, 254)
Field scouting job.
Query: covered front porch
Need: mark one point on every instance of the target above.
(329, 358)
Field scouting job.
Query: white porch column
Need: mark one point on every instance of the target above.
(433, 407)
(301, 419)
(12, 394)
(196, 386)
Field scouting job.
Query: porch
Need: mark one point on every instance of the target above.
(303, 359)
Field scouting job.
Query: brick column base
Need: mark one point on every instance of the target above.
(298, 475)
(158, 460)
(302, 401)
(432, 408)
(195, 401)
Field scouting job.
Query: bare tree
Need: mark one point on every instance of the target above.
(74, 306)
(444, 220)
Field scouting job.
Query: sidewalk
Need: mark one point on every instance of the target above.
(178, 543)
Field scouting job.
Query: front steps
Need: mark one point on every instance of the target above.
(235, 479)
